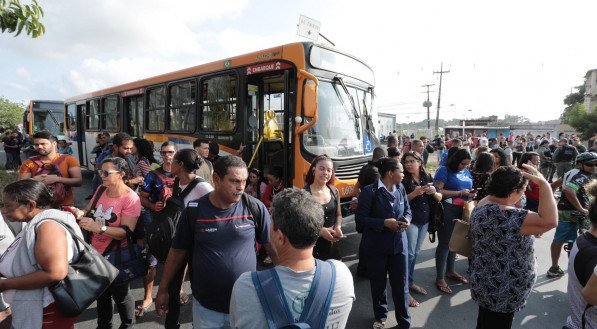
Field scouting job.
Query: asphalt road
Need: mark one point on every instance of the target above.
(547, 304)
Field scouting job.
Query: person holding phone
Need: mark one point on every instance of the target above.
(385, 214)
(418, 184)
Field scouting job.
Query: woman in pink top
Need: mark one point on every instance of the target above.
(117, 206)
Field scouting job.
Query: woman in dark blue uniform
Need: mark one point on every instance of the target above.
(384, 213)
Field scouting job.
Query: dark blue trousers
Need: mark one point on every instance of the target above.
(378, 268)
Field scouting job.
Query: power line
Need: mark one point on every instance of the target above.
(427, 104)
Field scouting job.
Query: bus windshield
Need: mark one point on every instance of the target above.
(337, 132)
(47, 120)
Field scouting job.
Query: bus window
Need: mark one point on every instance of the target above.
(111, 117)
(218, 112)
(182, 106)
(93, 114)
(156, 107)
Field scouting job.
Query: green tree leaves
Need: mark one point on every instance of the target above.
(11, 113)
(14, 17)
(584, 122)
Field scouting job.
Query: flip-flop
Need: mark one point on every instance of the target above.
(412, 302)
(444, 289)
(457, 277)
(417, 289)
(140, 310)
(184, 298)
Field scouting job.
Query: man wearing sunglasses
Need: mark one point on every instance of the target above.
(68, 166)
(572, 208)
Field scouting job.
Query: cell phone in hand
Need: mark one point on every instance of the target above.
(403, 219)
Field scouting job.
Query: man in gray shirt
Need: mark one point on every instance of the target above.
(296, 222)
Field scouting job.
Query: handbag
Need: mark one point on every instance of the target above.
(88, 277)
(436, 218)
(129, 260)
(460, 241)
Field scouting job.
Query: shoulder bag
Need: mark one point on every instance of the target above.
(129, 260)
(460, 241)
(87, 278)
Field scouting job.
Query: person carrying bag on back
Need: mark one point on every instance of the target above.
(256, 300)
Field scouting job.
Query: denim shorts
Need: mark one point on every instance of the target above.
(566, 232)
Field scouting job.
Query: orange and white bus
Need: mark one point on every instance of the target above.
(285, 105)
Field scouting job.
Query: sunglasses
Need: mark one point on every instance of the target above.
(592, 164)
(106, 173)
(167, 152)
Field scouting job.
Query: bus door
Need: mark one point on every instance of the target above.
(133, 115)
(267, 137)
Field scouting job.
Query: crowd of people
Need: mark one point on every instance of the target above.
(230, 217)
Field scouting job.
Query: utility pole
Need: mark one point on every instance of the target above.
(439, 95)
(428, 104)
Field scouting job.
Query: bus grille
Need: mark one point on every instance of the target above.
(350, 171)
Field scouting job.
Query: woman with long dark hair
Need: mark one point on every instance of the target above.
(531, 193)
(481, 171)
(143, 153)
(38, 257)
(418, 184)
(255, 185)
(455, 183)
(319, 183)
(384, 213)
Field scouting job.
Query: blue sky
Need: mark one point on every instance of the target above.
(515, 57)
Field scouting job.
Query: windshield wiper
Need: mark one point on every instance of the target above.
(53, 118)
(368, 117)
(355, 113)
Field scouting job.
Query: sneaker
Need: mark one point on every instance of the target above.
(379, 325)
(555, 272)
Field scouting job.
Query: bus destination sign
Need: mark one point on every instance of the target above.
(267, 67)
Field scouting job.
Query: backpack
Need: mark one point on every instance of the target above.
(160, 231)
(316, 308)
(167, 185)
(58, 190)
(585, 262)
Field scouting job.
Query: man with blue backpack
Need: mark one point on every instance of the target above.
(300, 292)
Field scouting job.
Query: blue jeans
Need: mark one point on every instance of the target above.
(444, 258)
(204, 318)
(415, 233)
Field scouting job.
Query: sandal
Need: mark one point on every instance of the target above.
(140, 310)
(412, 302)
(417, 289)
(457, 277)
(445, 289)
(184, 298)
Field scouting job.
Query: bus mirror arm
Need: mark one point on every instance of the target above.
(309, 100)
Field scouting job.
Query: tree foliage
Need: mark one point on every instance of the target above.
(584, 122)
(14, 17)
(571, 100)
(10, 113)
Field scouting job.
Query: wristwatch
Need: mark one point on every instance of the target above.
(103, 229)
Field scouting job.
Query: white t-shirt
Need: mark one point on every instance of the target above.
(246, 310)
(200, 190)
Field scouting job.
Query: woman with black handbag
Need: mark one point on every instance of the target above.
(44, 241)
(418, 184)
(116, 212)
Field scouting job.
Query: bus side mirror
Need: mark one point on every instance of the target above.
(310, 100)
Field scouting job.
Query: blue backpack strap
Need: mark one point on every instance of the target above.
(317, 305)
(269, 289)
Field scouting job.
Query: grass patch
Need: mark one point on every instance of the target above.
(5, 179)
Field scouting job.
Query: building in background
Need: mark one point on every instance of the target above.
(387, 123)
(591, 90)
